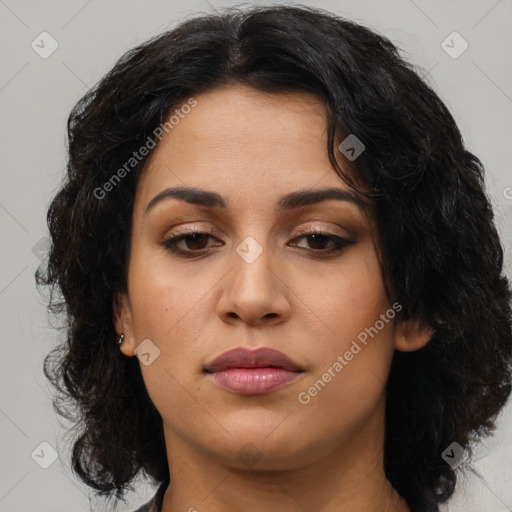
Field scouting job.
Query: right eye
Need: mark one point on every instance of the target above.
(195, 240)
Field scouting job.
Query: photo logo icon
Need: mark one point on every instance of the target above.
(44, 455)
(249, 249)
(147, 352)
(351, 147)
(44, 45)
(40, 248)
(249, 454)
(454, 45)
(453, 454)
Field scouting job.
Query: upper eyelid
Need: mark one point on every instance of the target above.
(216, 234)
(180, 236)
(312, 224)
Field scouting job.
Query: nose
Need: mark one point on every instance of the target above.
(254, 291)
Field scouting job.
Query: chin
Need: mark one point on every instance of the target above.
(253, 449)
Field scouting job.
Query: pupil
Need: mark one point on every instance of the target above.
(318, 239)
(196, 238)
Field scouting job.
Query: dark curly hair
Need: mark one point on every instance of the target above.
(439, 249)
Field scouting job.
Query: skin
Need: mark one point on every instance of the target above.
(327, 455)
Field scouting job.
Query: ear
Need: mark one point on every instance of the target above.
(123, 323)
(411, 335)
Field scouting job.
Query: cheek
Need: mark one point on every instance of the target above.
(348, 382)
(356, 351)
(161, 297)
(353, 299)
(167, 310)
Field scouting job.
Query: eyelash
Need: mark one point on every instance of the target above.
(340, 243)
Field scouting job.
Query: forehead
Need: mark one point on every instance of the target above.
(239, 140)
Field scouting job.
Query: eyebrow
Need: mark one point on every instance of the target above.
(297, 199)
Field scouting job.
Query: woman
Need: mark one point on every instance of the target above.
(281, 274)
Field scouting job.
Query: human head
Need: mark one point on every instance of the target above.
(433, 220)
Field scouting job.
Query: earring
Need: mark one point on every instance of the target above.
(121, 339)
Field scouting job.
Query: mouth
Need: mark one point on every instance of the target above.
(252, 372)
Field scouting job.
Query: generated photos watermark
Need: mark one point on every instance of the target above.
(305, 397)
(143, 151)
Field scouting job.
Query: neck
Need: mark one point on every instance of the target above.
(349, 478)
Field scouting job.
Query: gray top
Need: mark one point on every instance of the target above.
(155, 504)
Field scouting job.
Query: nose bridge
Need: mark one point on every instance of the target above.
(252, 266)
(253, 290)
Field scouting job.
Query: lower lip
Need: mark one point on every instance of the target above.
(253, 381)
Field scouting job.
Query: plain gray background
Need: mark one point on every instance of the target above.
(36, 95)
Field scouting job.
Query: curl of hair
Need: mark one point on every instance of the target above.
(439, 249)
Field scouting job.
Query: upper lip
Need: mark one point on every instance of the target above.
(241, 357)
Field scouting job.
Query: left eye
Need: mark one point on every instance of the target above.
(196, 241)
(319, 238)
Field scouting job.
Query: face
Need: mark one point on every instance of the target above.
(257, 277)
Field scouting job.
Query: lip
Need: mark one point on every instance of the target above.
(252, 372)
